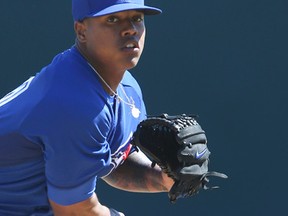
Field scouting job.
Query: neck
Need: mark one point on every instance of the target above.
(105, 85)
(109, 79)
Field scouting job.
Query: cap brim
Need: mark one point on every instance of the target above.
(124, 7)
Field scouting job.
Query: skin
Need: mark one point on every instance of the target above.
(103, 42)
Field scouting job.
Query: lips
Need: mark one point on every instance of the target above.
(131, 45)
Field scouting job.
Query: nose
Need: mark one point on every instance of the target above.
(130, 29)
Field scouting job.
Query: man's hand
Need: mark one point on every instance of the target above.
(89, 207)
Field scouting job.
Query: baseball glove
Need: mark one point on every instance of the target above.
(179, 146)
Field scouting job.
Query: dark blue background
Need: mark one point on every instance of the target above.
(223, 60)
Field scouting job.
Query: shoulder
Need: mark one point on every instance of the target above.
(65, 88)
(67, 61)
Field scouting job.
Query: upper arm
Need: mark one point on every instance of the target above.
(76, 154)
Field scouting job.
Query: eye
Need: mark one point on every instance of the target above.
(112, 19)
(138, 18)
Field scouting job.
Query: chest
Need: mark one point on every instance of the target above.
(126, 108)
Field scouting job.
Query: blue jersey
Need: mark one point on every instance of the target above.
(59, 132)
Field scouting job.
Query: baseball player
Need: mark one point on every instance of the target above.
(71, 124)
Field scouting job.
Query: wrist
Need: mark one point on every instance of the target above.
(167, 181)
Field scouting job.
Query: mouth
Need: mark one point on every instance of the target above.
(131, 45)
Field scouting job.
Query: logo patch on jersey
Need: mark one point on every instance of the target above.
(120, 157)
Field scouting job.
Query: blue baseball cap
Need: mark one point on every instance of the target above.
(82, 9)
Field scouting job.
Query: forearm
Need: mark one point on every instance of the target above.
(89, 207)
(137, 175)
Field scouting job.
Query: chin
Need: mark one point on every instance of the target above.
(132, 63)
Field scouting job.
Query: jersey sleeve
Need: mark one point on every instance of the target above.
(75, 160)
(76, 150)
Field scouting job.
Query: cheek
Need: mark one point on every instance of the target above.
(142, 39)
(98, 38)
(99, 43)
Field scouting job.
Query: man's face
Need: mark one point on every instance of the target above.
(115, 41)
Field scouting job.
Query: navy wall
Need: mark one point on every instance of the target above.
(223, 60)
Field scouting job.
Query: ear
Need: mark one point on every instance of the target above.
(80, 30)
